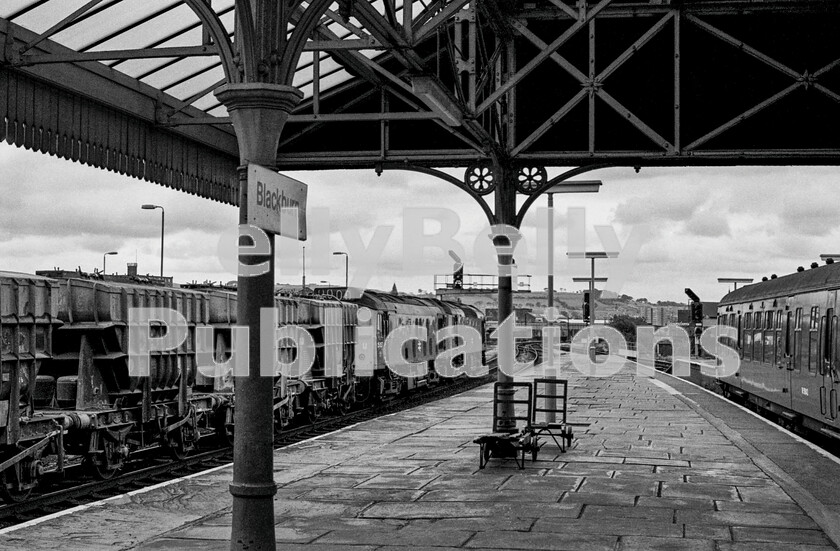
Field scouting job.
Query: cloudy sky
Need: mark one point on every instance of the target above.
(693, 225)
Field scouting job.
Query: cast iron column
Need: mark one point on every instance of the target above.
(258, 112)
(551, 389)
(505, 214)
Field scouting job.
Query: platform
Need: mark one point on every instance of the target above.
(663, 465)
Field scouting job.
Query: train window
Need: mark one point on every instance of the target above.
(826, 340)
(834, 337)
(769, 337)
(788, 333)
(748, 336)
(797, 340)
(813, 338)
(758, 337)
(781, 336)
(821, 348)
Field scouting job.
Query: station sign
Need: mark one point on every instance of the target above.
(276, 203)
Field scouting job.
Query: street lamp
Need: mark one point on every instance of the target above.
(580, 186)
(103, 260)
(735, 280)
(346, 265)
(152, 207)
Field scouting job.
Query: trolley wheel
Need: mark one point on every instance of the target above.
(487, 453)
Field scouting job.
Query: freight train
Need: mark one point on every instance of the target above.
(789, 345)
(67, 398)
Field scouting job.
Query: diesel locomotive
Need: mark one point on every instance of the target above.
(67, 398)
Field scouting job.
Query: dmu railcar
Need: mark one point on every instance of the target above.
(788, 342)
(66, 397)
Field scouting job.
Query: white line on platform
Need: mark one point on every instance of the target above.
(666, 388)
(125, 497)
(780, 428)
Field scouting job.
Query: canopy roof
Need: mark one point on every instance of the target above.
(819, 278)
(127, 85)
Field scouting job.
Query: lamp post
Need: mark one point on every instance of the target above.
(346, 267)
(152, 207)
(591, 279)
(581, 186)
(103, 260)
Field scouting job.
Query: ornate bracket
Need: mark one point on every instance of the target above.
(520, 216)
(488, 212)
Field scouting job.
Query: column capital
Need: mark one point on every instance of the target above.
(258, 111)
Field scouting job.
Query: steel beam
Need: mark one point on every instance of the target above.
(348, 44)
(58, 27)
(542, 56)
(150, 53)
(322, 117)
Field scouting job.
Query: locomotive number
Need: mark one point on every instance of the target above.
(804, 391)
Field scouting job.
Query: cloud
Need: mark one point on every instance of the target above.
(707, 223)
(656, 208)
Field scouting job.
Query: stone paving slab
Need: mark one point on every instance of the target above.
(648, 470)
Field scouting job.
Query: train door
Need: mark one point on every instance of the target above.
(827, 355)
(784, 320)
(806, 385)
(833, 368)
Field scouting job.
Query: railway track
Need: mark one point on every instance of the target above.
(65, 495)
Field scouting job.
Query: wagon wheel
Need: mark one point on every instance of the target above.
(180, 441)
(104, 464)
(313, 412)
(363, 390)
(479, 178)
(18, 481)
(342, 406)
(224, 427)
(530, 178)
(282, 418)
